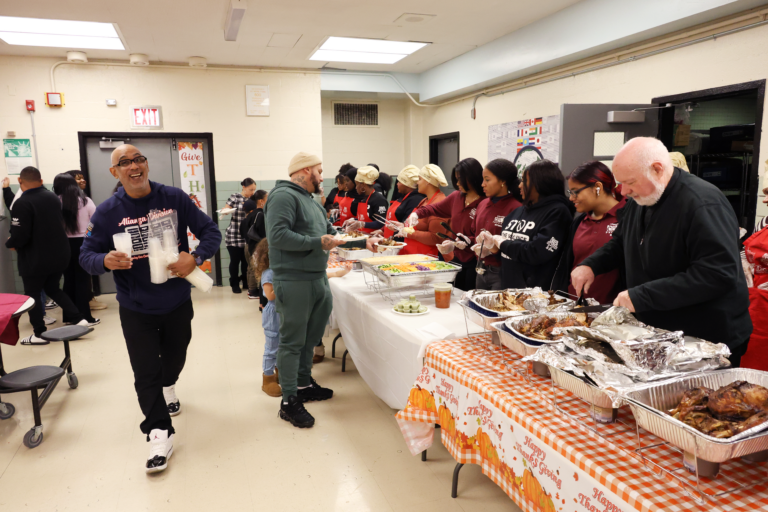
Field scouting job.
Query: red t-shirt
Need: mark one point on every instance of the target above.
(589, 237)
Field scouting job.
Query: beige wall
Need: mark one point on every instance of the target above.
(729, 60)
(192, 101)
(385, 145)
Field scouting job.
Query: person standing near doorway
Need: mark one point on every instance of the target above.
(77, 210)
(156, 318)
(38, 236)
(238, 264)
(94, 303)
(300, 238)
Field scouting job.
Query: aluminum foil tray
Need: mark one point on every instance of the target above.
(481, 302)
(349, 254)
(513, 343)
(417, 278)
(649, 405)
(476, 317)
(514, 323)
(591, 394)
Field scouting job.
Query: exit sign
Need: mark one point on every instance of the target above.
(149, 117)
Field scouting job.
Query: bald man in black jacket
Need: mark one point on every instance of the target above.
(38, 236)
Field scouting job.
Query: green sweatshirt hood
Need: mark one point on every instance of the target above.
(295, 224)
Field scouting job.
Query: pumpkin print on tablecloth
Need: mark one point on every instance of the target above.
(535, 493)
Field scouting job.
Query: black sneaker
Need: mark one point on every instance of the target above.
(314, 393)
(236, 289)
(294, 412)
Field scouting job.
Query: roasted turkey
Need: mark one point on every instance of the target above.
(730, 410)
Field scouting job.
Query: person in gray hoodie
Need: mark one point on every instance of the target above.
(300, 238)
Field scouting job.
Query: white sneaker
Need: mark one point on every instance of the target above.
(86, 323)
(49, 320)
(174, 406)
(50, 304)
(160, 450)
(34, 340)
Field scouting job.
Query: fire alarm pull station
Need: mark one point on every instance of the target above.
(31, 105)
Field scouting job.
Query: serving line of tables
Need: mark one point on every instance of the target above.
(546, 460)
(507, 423)
(383, 345)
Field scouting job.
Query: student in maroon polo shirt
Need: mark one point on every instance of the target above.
(461, 208)
(592, 189)
(501, 186)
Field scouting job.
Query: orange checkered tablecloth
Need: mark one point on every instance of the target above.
(542, 458)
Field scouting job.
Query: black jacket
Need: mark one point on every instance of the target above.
(256, 216)
(330, 198)
(408, 206)
(37, 233)
(535, 237)
(682, 263)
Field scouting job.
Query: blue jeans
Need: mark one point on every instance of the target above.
(270, 352)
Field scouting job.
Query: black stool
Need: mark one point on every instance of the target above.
(42, 377)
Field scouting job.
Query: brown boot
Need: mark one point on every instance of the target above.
(270, 386)
(319, 354)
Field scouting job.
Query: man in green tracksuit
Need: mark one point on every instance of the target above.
(300, 238)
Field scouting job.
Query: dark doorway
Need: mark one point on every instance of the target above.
(718, 130)
(444, 152)
(161, 150)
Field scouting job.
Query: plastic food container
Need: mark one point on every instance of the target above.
(443, 295)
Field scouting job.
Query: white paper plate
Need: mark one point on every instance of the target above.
(364, 237)
(411, 314)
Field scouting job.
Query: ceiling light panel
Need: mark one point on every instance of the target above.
(59, 33)
(363, 57)
(372, 51)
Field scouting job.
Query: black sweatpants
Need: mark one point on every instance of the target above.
(238, 266)
(34, 287)
(77, 282)
(157, 347)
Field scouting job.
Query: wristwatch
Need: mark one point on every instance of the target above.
(198, 259)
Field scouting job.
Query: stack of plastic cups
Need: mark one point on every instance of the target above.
(158, 264)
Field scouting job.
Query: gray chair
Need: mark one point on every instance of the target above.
(43, 377)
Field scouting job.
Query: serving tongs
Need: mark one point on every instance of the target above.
(581, 307)
(379, 218)
(459, 237)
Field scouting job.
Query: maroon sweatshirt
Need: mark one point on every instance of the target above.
(490, 217)
(462, 218)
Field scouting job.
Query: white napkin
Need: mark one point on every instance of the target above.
(431, 333)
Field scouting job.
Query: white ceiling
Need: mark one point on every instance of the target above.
(283, 33)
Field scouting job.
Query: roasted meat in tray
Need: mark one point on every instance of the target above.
(541, 327)
(723, 413)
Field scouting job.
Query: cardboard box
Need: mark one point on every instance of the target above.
(682, 135)
(747, 146)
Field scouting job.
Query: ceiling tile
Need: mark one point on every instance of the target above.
(283, 40)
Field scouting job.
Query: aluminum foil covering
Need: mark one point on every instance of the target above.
(651, 404)
(616, 315)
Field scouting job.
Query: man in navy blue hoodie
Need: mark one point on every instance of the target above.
(156, 318)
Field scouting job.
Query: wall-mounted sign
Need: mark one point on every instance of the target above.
(257, 100)
(18, 155)
(149, 117)
(193, 182)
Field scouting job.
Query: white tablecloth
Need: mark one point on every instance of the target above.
(383, 345)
